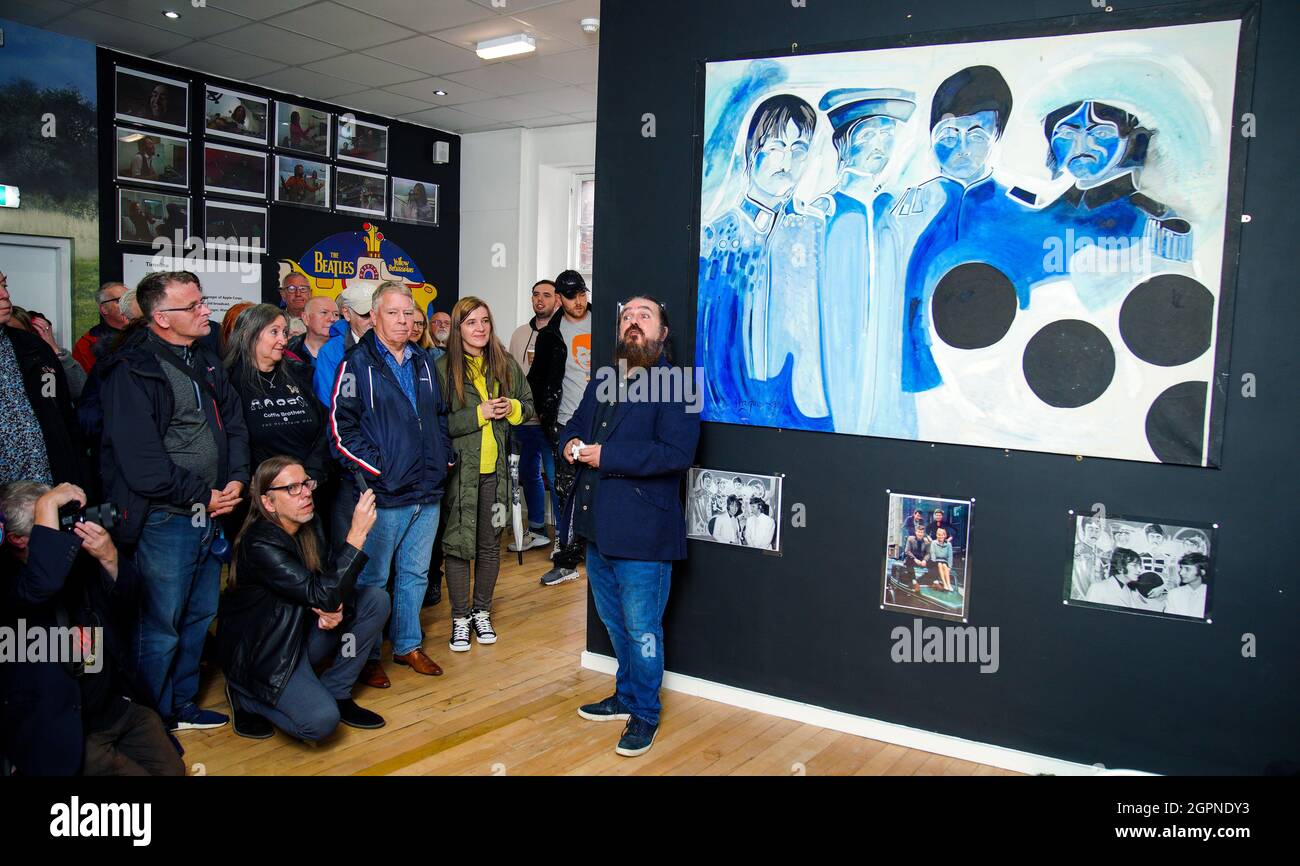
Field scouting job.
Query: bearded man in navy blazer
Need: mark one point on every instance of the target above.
(631, 452)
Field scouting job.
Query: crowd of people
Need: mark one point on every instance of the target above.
(333, 459)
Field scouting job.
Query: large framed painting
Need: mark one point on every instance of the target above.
(1025, 243)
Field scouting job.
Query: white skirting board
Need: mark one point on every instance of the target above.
(912, 738)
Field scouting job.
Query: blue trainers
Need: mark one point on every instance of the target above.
(609, 710)
(638, 737)
(191, 717)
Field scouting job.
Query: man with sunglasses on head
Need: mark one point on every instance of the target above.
(174, 457)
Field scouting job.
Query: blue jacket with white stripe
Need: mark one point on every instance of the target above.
(403, 450)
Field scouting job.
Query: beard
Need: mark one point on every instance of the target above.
(441, 337)
(644, 353)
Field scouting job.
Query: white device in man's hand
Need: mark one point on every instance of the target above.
(577, 446)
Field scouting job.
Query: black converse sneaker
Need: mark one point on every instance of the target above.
(481, 620)
(609, 710)
(459, 634)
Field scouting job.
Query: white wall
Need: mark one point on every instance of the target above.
(515, 191)
(489, 215)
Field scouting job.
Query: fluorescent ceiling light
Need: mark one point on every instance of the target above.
(440, 93)
(506, 46)
(171, 14)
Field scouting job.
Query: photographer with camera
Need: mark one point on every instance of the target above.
(77, 707)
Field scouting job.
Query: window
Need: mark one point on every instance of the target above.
(583, 196)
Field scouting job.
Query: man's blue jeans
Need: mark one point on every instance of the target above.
(180, 585)
(401, 538)
(535, 458)
(630, 597)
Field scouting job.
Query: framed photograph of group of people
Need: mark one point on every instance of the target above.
(927, 556)
(1141, 565)
(738, 508)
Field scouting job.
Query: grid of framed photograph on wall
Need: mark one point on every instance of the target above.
(145, 215)
(234, 171)
(1141, 565)
(360, 192)
(240, 116)
(302, 182)
(414, 202)
(257, 151)
(151, 158)
(140, 97)
(738, 508)
(927, 556)
(228, 225)
(359, 141)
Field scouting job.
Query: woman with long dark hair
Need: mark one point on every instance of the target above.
(280, 412)
(488, 395)
(287, 609)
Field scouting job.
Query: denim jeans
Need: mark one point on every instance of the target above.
(630, 597)
(402, 538)
(179, 587)
(306, 708)
(535, 458)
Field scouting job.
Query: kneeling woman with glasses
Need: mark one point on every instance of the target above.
(286, 612)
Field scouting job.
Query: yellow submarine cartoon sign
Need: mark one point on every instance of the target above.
(365, 258)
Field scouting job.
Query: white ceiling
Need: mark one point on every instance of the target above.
(381, 56)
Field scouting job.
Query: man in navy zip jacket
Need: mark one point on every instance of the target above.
(389, 422)
(631, 454)
(174, 457)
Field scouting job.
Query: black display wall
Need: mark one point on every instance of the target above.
(292, 230)
(1082, 685)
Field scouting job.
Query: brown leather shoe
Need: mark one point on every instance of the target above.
(373, 675)
(419, 662)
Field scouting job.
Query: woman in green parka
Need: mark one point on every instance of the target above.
(488, 395)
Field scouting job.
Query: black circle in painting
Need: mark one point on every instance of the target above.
(1176, 423)
(1167, 320)
(973, 306)
(1069, 363)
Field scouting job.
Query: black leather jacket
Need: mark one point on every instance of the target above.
(546, 375)
(263, 621)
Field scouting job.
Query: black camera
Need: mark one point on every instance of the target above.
(105, 515)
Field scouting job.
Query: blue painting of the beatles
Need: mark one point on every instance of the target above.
(1010, 244)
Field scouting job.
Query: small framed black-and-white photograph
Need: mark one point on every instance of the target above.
(152, 99)
(414, 201)
(234, 171)
(230, 114)
(1141, 565)
(359, 141)
(302, 182)
(738, 508)
(235, 227)
(360, 192)
(927, 556)
(152, 158)
(306, 130)
(145, 215)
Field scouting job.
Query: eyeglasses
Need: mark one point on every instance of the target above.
(297, 290)
(109, 301)
(295, 488)
(191, 309)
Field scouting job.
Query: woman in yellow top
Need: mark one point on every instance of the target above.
(487, 394)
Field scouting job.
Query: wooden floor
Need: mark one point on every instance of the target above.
(510, 709)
